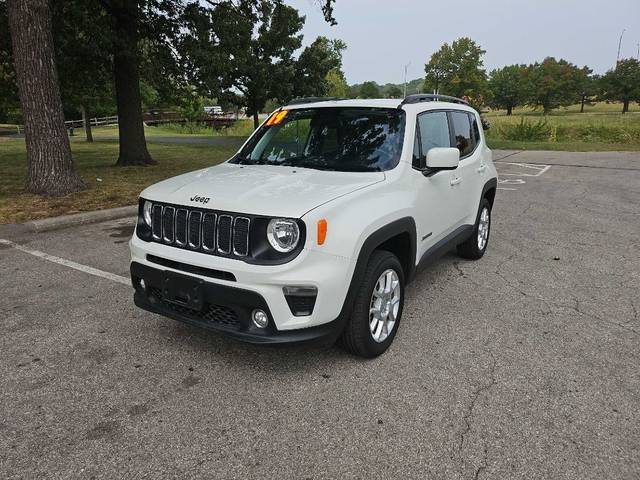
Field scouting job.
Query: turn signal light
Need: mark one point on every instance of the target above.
(322, 231)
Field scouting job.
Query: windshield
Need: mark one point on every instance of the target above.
(343, 139)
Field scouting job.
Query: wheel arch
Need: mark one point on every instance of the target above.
(392, 237)
(489, 191)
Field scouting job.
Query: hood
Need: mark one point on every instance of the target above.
(259, 189)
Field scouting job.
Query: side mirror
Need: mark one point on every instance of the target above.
(443, 158)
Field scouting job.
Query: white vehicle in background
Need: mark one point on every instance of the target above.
(314, 228)
(213, 110)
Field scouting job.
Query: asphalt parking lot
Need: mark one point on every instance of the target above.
(523, 365)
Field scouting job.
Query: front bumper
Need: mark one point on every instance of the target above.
(225, 309)
(329, 274)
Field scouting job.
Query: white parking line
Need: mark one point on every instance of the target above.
(540, 169)
(68, 263)
(537, 170)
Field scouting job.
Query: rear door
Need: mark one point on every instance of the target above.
(466, 137)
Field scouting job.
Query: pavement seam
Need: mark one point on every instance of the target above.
(507, 156)
(599, 167)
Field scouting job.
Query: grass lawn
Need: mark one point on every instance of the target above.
(108, 186)
(500, 144)
(241, 128)
(601, 127)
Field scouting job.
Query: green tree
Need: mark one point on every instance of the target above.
(622, 84)
(369, 90)
(313, 66)
(394, 91)
(337, 85)
(244, 47)
(589, 90)
(507, 87)
(134, 25)
(8, 88)
(456, 70)
(555, 83)
(51, 170)
(192, 105)
(82, 60)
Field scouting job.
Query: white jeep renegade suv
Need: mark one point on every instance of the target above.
(313, 229)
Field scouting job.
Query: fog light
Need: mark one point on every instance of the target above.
(143, 285)
(260, 318)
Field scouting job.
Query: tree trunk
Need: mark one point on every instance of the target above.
(87, 124)
(256, 120)
(584, 99)
(51, 170)
(625, 106)
(133, 145)
(509, 110)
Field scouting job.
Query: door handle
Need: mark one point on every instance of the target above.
(455, 181)
(481, 168)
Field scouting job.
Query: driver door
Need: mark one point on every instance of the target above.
(438, 209)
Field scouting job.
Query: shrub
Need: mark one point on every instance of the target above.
(526, 131)
(188, 128)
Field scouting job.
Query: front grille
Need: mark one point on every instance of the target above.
(218, 314)
(201, 230)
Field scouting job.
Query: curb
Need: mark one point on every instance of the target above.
(84, 218)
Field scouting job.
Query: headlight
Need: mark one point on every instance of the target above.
(146, 212)
(283, 234)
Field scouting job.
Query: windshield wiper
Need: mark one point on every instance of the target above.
(249, 161)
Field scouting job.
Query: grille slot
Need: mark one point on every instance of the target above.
(181, 227)
(156, 222)
(167, 224)
(224, 233)
(194, 229)
(208, 232)
(241, 236)
(201, 230)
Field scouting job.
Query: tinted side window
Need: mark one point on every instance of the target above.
(475, 128)
(462, 132)
(434, 131)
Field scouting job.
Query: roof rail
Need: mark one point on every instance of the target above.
(303, 100)
(430, 97)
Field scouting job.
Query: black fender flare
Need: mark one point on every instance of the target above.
(402, 225)
(491, 183)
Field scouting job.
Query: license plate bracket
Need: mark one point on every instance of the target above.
(183, 290)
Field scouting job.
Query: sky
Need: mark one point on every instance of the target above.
(382, 36)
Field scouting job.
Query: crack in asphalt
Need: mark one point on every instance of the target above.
(580, 311)
(468, 417)
(635, 312)
(522, 292)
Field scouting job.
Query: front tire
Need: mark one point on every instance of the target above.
(377, 308)
(475, 246)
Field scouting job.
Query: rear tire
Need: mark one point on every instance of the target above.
(474, 247)
(377, 307)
